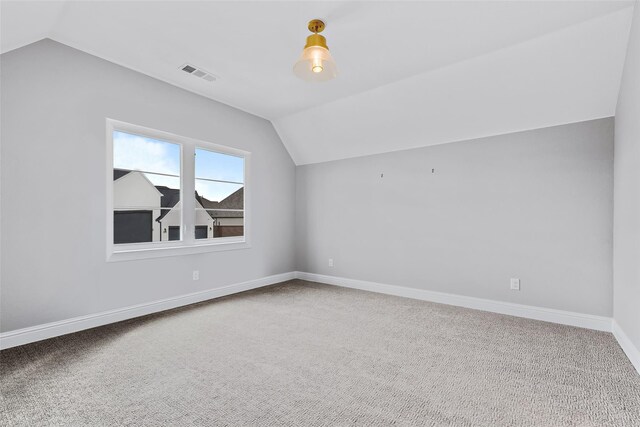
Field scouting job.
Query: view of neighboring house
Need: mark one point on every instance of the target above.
(142, 200)
(148, 213)
(227, 222)
(170, 219)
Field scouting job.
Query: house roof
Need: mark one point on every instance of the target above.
(119, 173)
(233, 201)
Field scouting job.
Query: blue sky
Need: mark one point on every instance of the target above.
(141, 153)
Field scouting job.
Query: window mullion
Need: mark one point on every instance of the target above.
(188, 193)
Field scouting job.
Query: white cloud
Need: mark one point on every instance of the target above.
(140, 153)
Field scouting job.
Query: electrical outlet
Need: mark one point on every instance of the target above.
(515, 284)
(330, 262)
(196, 275)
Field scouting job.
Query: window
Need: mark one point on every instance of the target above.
(150, 173)
(220, 194)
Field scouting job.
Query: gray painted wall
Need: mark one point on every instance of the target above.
(536, 205)
(54, 103)
(626, 264)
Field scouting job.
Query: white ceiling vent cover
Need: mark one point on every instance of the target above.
(199, 72)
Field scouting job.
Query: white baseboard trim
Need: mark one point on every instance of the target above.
(581, 320)
(632, 352)
(63, 327)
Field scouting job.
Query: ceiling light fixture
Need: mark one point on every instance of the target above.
(315, 63)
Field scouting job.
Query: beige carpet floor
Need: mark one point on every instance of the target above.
(303, 354)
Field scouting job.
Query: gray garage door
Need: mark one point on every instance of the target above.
(132, 226)
(201, 231)
(174, 232)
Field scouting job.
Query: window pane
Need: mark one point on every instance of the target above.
(135, 152)
(146, 189)
(220, 167)
(223, 214)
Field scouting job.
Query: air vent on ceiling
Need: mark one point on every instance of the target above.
(199, 72)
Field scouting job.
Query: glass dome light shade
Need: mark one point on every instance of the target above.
(315, 63)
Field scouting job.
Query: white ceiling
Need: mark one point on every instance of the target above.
(410, 73)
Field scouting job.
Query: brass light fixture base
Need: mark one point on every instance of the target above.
(316, 26)
(316, 40)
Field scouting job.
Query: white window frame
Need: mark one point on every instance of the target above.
(189, 244)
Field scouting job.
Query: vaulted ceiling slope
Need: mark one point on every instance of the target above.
(411, 74)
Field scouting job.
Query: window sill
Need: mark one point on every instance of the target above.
(130, 254)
